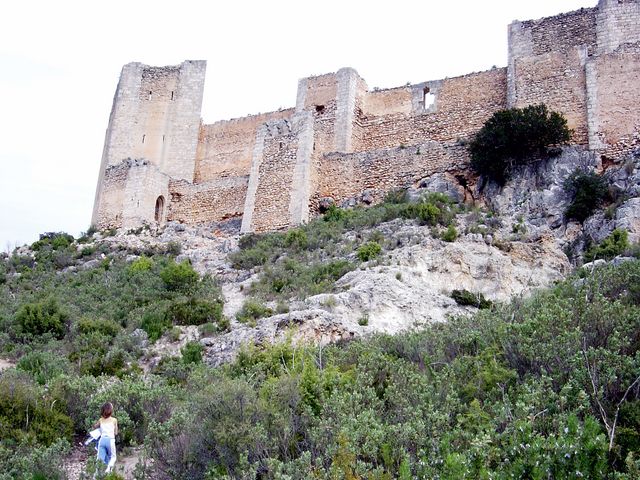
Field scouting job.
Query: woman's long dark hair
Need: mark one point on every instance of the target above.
(106, 410)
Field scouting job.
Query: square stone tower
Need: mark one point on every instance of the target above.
(152, 137)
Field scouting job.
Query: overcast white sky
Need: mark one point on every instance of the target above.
(60, 62)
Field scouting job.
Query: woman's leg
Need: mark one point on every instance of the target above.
(104, 447)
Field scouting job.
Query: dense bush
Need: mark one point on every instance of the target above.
(108, 328)
(27, 414)
(179, 276)
(615, 244)
(369, 251)
(588, 191)
(192, 352)
(155, 323)
(251, 311)
(515, 136)
(43, 366)
(465, 297)
(40, 318)
(194, 312)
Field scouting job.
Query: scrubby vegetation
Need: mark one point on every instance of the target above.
(541, 388)
(516, 136)
(309, 259)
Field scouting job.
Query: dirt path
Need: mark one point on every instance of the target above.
(76, 462)
(4, 364)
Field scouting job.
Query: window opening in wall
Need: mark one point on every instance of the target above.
(171, 95)
(162, 138)
(319, 108)
(143, 137)
(149, 94)
(159, 209)
(428, 98)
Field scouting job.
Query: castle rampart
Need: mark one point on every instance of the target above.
(345, 143)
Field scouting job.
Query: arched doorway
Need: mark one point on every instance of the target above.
(159, 216)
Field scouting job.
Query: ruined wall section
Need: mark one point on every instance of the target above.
(225, 148)
(558, 80)
(618, 23)
(462, 105)
(212, 201)
(281, 172)
(547, 60)
(131, 189)
(614, 101)
(343, 176)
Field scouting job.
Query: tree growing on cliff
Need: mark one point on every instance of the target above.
(513, 137)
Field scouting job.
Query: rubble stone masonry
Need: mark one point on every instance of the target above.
(345, 142)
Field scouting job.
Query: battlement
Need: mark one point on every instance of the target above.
(341, 139)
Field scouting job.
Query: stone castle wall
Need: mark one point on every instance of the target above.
(345, 142)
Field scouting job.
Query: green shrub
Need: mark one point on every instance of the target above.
(615, 244)
(105, 327)
(179, 276)
(43, 366)
(141, 264)
(251, 311)
(192, 352)
(87, 251)
(25, 415)
(511, 137)
(334, 214)
(29, 462)
(44, 317)
(588, 191)
(465, 297)
(369, 251)
(155, 323)
(296, 238)
(450, 234)
(363, 321)
(194, 312)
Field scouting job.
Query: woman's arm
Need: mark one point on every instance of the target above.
(97, 424)
(116, 427)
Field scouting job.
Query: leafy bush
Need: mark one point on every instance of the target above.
(251, 311)
(450, 234)
(465, 297)
(43, 366)
(179, 276)
(44, 317)
(155, 323)
(334, 214)
(194, 312)
(369, 251)
(615, 244)
(141, 264)
(26, 462)
(102, 326)
(25, 413)
(511, 137)
(192, 352)
(588, 191)
(296, 238)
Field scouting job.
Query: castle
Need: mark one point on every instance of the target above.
(342, 142)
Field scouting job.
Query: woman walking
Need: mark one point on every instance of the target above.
(108, 430)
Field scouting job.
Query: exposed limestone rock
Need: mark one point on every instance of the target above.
(536, 193)
(628, 218)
